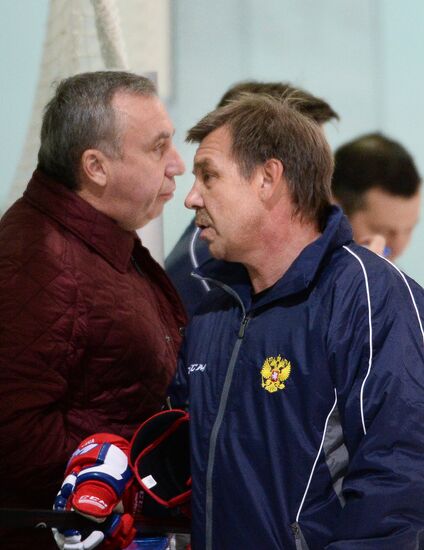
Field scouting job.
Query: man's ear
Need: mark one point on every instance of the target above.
(93, 166)
(271, 187)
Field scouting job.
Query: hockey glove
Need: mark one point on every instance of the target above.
(98, 485)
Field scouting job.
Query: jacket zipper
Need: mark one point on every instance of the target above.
(216, 427)
(298, 538)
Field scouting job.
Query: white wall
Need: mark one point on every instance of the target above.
(22, 26)
(402, 95)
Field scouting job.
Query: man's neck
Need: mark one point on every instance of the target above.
(270, 262)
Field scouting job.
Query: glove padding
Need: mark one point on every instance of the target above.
(98, 485)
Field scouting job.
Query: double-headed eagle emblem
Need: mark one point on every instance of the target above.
(275, 372)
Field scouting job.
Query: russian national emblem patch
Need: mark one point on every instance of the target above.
(275, 372)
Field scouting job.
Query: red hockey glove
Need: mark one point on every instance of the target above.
(99, 485)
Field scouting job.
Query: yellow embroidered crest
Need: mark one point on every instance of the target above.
(274, 372)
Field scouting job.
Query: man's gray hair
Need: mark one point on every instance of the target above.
(80, 116)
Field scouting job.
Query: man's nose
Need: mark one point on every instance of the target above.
(194, 199)
(176, 166)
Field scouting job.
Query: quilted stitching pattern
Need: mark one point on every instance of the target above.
(87, 344)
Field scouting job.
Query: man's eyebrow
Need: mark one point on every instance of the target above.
(163, 135)
(202, 166)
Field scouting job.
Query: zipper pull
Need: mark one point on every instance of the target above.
(299, 541)
(295, 529)
(243, 326)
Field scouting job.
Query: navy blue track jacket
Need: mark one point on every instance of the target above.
(307, 405)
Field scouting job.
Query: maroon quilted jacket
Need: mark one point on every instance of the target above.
(89, 333)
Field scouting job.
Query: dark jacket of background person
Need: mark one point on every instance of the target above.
(89, 337)
(188, 253)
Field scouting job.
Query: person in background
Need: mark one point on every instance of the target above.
(377, 184)
(190, 252)
(90, 323)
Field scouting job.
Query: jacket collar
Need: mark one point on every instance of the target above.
(300, 274)
(96, 229)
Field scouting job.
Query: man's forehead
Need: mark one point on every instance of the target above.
(214, 147)
(208, 159)
(379, 198)
(148, 110)
(387, 212)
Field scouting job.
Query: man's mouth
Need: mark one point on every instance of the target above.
(203, 222)
(168, 194)
(204, 225)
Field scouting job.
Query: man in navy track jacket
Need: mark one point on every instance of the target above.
(304, 366)
(190, 251)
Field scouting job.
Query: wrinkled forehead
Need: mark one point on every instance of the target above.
(144, 116)
(215, 147)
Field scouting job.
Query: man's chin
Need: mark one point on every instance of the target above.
(165, 197)
(215, 251)
(156, 211)
(147, 218)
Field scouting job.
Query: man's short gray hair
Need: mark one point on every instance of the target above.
(80, 116)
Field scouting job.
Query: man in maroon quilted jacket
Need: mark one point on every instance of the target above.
(89, 322)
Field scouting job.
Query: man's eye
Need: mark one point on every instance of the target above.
(159, 148)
